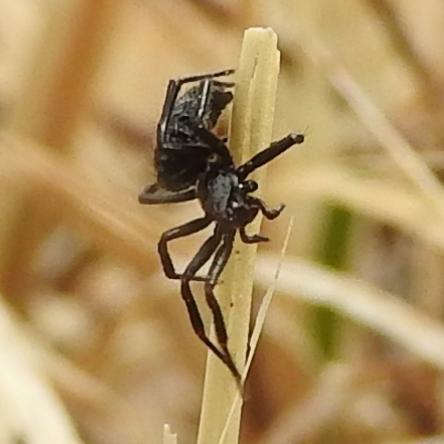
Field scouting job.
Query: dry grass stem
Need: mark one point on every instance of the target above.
(251, 127)
(257, 329)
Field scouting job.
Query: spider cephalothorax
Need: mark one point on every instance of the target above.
(193, 163)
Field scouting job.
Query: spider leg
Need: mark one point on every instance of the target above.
(155, 194)
(199, 260)
(269, 213)
(210, 139)
(174, 233)
(219, 262)
(251, 239)
(269, 154)
(210, 75)
(204, 94)
(205, 87)
(224, 84)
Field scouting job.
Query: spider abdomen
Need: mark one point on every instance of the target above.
(176, 168)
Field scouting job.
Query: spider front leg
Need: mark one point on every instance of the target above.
(183, 230)
(268, 154)
(199, 260)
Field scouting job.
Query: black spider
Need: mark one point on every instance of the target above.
(193, 163)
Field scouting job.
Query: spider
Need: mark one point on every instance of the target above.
(193, 163)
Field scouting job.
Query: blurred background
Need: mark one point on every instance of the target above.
(95, 343)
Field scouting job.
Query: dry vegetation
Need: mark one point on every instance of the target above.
(95, 344)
